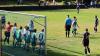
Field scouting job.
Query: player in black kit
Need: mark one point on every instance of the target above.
(86, 41)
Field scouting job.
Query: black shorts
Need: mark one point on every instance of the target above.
(86, 42)
(68, 27)
(42, 43)
(7, 34)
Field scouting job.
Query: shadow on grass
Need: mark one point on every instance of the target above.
(18, 51)
(21, 52)
(52, 53)
(66, 50)
(95, 55)
(64, 54)
(92, 36)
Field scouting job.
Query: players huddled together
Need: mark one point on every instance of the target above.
(25, 37)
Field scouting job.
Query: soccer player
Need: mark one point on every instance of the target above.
(42, 42)
(33, 39)
(74, 25)
(86, 41)
(14, 32)
(7, 32)
(31, 26)
(23, 36)
(96, 24)
(27, 38)
(18, 37)
(68, 26)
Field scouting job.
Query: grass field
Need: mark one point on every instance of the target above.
(57, 43)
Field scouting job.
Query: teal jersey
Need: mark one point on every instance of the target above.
(33, 37)
(75, 25)
(27, 37)
(41, 37)
(18, 36)
(18, 33)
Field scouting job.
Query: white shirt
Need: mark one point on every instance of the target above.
(14, 29)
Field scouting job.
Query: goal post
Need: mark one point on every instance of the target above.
(33, 17)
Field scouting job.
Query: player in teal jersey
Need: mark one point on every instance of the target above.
(27, 38)
(75, 26)
(33, 39)
(18, 36)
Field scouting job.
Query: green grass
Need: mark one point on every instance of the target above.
(57, 43)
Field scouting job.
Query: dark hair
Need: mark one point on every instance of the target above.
(8, 22)
(86, 29)
(15, 24)
(42, 30)
(34, 30)
(21, 27)
(74, 17)
(67, 15)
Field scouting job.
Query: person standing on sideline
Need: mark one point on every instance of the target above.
(96, 24)
(78, 8)
(86, 41)
(68, 25)
(7, 32)
(19, 2)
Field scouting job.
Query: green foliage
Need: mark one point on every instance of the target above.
(58, 0)
(69, 0)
